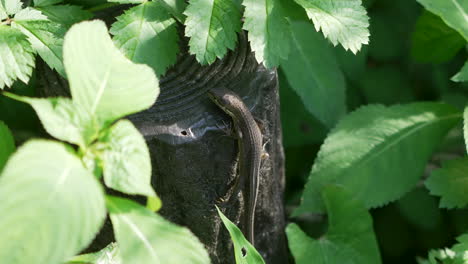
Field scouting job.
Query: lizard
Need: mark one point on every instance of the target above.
(250, 149)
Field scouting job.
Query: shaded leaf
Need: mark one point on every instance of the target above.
(313, 72)
(7, 144)
(65, 14)
(244, 252)
(450, 182)
(46, 2)
(363, 151)
(147, 34)
(102, 80)
(268, 31)
(47, 193)
(212, 27)
(16, 57)
(341, 21)
(145, 237)
(350, 237)
(420, 209)
(434, 41)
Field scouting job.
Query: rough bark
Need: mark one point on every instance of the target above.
(194, 160)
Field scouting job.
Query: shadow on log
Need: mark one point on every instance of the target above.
(194, 160)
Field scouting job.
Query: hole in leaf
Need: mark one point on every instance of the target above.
(184, 133)
(244, 252)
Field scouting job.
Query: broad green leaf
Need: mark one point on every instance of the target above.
(145, 237)
(268, 31)
(29, 14)
(376, 147)
(52, 207)
(9, 7)
(450, 182)
(341, 21)
(176, 8)
(462, 76)
(434, 41)
(244, 252)
(350, 237)
(212, 27)
(16, 57)
(46, 2)
(453, 12)
(313, 72)
(102, 79)
(147, 34)
(107, 255)
(65, 14)
(126, 160)
(62, 119)
(465, 127)
(46, 37)
(7, 144)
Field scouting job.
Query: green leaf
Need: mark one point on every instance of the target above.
(65, 14)
(145, 237)
(9, 7)
(107, 255)
(101, 79)
(212, 27)
(45, 36)
(52, 207)
(343, 21)
(361, 152)
(46, 2)
(244, 252)
(350, 237)
(462, 76)
(7, 144)
(268, 31)
(128, 1)
(465, 127)
(434, 41)
(453, 12)
(147, 34)
(420, 209)
(313, 72)
(16, 57)
(450, 182)
(176, 8)
(62, 119)
(126, 160)
(455, 255)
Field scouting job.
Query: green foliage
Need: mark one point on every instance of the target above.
(9, 7)
(52, 207)
(45, 36)
(212, 28)
(465, 127)
(7, 144)
(434, 41)
(157, 240)
(244, 252)
(66, 15)
(268, 31)
(360, 151)
(107, 255)
(450, 182)
(455, 255)
(350, 237)
(453, 12)
(102, 80)
(313, 72)
(16, 57)
(342, 21)
(147, 34)
(420, 208)
(46, 2)
(462, 76)
(126, 159)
